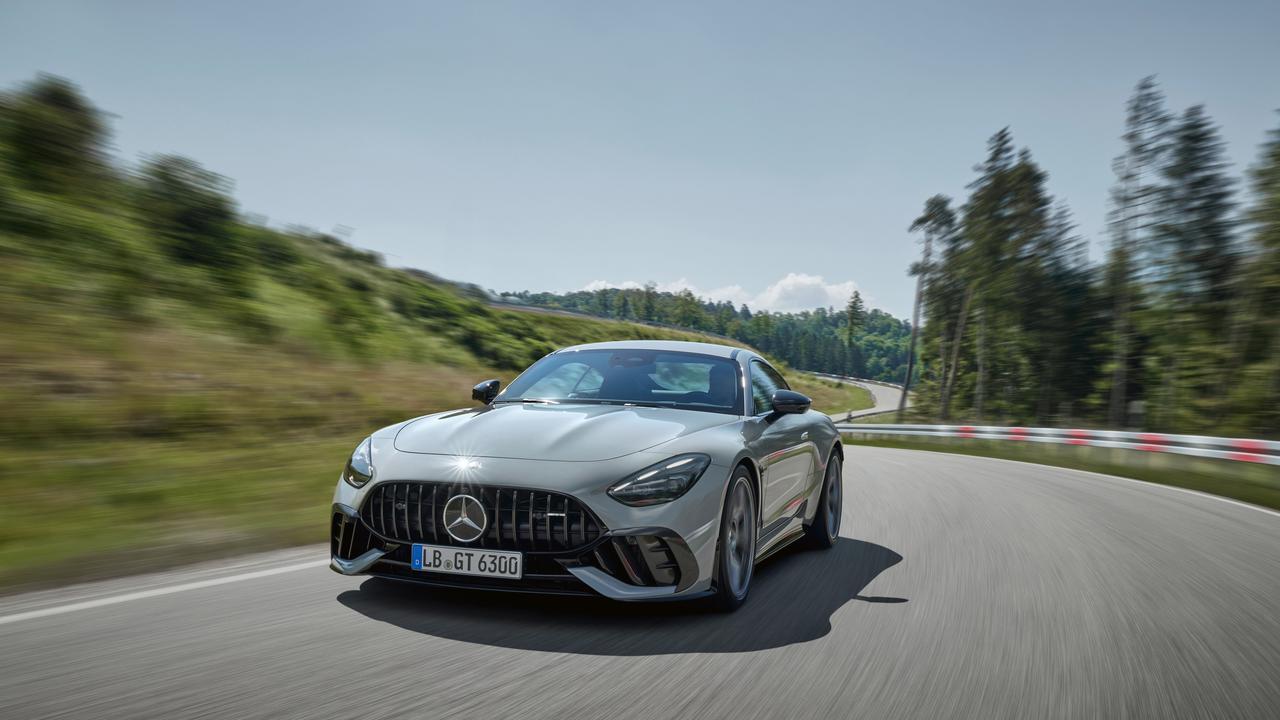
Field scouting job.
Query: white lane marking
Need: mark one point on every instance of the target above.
(1105, 476)
(156, 592)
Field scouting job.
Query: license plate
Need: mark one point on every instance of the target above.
(463, 561)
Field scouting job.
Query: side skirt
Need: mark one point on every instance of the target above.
(782, 542)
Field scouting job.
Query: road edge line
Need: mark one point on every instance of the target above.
(157, 592)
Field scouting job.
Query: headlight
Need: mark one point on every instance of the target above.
(359, 468)
(662, 482)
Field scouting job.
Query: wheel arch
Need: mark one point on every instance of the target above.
(745, 460)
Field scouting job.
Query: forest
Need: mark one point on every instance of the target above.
(1175, 330)
(851, 341)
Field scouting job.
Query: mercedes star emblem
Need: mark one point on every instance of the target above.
(465, 518)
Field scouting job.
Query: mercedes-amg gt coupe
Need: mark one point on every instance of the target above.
(636, 470)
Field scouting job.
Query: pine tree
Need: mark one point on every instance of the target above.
(986, 227)
(1256, 389)
(938, 222)
(1135, 201)
(1198, 229)
(855, 314)
(1197, 243)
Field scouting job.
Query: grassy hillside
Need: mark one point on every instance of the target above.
(180, 382)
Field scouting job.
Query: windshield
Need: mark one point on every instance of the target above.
(631, 377)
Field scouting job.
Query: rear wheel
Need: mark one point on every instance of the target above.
(736, 557)
(825, 528)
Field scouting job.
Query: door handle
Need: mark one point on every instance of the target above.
(804, 435)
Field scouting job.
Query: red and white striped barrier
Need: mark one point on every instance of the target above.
(1238, 449)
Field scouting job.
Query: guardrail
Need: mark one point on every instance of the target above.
(1237, 449)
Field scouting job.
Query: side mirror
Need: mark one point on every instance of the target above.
(790, 402)
(486, 391)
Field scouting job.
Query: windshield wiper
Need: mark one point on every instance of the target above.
(637, 403)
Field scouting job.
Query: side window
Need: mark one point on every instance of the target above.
(763, 386)
(776, 377)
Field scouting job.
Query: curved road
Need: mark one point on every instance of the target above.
(886, 398)
(965, 587)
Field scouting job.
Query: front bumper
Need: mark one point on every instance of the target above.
(688, 526)
(630, 564)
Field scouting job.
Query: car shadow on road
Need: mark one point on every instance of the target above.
(793, 597)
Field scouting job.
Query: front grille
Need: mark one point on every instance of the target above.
(519, 519)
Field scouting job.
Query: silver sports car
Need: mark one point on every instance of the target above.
(634, 470)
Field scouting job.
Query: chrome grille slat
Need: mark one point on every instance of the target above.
(421, 530)
(565, 519)
(408, 532)
(435, 517)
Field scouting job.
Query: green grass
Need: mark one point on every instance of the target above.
(1249, 482)
(830, 396)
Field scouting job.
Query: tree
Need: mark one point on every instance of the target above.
(190, 209)
(1253, 380)
(937, 221)
(987, 227)
(1135, 202)
(688, 311)
(58, 138)
(1198, 227)
(648, 303)
(855, 314)
(621, 305)
(1195, 283)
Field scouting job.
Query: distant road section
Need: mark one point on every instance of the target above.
(886, 397)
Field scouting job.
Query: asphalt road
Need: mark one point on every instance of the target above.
(964, 587)
(886, 398)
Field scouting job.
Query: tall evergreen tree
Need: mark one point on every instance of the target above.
(1198, 224)
(938, 222)
(855, 314)
(987, 228)
(1135, 206)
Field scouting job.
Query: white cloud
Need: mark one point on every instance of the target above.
(794, 292)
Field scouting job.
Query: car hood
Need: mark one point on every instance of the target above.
(566, 433)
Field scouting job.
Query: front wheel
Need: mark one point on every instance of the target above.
(825, 528)
(736, 558)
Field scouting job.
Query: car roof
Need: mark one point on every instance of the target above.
(701, 348)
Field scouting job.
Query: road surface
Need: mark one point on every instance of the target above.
(964, 588)
(886, 398)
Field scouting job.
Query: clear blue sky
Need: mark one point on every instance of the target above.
(725, 146)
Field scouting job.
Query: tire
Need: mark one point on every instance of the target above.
(736, 550)
(825, 528)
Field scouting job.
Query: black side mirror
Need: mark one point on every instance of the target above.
(790, 401)
(486, 391)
